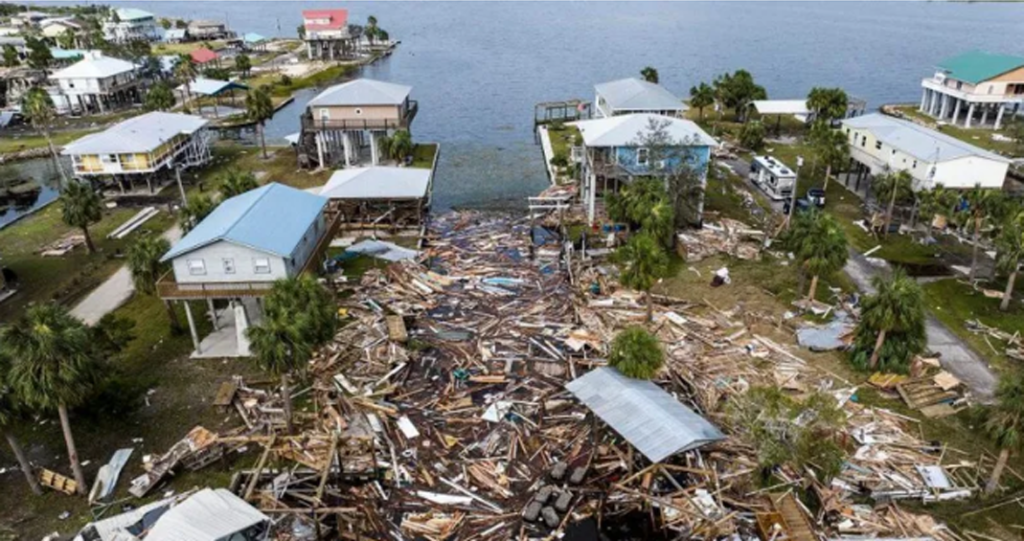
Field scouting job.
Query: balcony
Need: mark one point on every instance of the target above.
(932, 84)
(311, 124)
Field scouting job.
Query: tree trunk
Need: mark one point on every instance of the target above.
(1008, 294)
(26, 468)
(56, 159)
(69, 439)
(88, 240)
(888, 213)
(801, 279)
(286, 394)
(650, 308)
(993, 482)
(700, 110)
(814, 288)
(263, 139)
(172, 315)
(878, 349)
(828, 173)
(974, 251)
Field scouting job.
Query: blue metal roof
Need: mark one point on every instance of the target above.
(253, 37)
(271, 219)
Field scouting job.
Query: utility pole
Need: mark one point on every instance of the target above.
(792, 195)
(181, 188)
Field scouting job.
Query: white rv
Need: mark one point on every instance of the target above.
(773, 177)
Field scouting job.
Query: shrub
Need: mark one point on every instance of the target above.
(559, 159)
(636, 353)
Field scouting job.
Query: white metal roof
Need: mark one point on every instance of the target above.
(918, 141)
(632, 94)
(378, 183)
(626, 130)
(142, 133)
(94, 66)
(363, 92)
(650, 418)
(777, 168)
(211, 87)
(209, 515)
(781, 107)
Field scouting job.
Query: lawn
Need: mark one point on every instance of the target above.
(562, 139)
(186, 48)
(953, 302)
(423, 155)
(30, 140)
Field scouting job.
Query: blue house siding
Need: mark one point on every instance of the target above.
(696, 157)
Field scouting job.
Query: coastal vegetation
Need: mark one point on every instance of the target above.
(636, 353)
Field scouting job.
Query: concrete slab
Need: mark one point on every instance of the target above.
(229, 341)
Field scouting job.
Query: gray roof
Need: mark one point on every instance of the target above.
(93, 66)
(918, 141)
(363, 92)
(625, 130)
(209, 515)
(635, 95)
(142, 133)
(651, 419)
(378, 183)
(272, 218)
(211, 87)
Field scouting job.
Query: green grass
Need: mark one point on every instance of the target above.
(724, 198)
(562, 140)
(423, 155)
(324, 77)
(954, 302)
(186, 48)
(15, 143)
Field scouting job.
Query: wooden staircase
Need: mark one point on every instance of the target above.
(786, 521)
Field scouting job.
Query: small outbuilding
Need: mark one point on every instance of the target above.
(391, 196)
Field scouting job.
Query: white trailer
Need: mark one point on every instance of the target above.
(773, 177)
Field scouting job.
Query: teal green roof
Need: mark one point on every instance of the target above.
(977, 66)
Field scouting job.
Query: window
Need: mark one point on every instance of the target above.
(359, 112)
(109, 158)
(914, 164)
(863, 140)
(229, 265)
(878, 145)
(261, 265)
(325, 114)
(196, 267)
(642, 156)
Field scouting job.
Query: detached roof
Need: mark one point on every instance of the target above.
(203, 55)
(781, 107)
(211, 87)
(977, 66)
(142, 133)
(920, 142)
(132, 14)
(209, 515)
(363, 92)
(272, 219)
(378, 183)
(625, 130)
(337, 18)
(635, 95)
(94, 66)
(651, 419)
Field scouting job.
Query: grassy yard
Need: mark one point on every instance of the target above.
(562, 139)
(30, 140)
(186, 48)
(423, 155)
(954, 302)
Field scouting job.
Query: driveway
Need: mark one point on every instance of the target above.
(114, 292)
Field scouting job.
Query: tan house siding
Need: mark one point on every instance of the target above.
(366, 112)
(1015, 76)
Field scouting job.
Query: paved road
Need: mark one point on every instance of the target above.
(955, 355)
(114, 292)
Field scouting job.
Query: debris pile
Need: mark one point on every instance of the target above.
(730, 237)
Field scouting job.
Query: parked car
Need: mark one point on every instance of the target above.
(816, 196)
(802, 205)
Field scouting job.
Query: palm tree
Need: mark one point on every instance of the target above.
(893, 186)
(10, 56)
(160, 97)
(649, 74)
(67, 39)
(243, 64)
(983, 206)
(38, 107)
(8, 411)
(642, 261)
(827, 104)
(197, 207)
(186, 71)
(401, 145)
(298, 316)
(896, 307)
(371, 29)
(237, 182)
(1005, 423)
(259, 109)
(820, 246)
(55, 366)
(144, 262)
(81, 208)
(1011, 252)
(702, 96)
(833, 149)
(935, 201)
(636, 353)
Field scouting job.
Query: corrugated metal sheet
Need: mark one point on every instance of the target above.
(209, 515)
(651, 419)
(143, 133)
(378, 183)
(623, 130)
(635, 95)
(272, 218)
(362, 92)
(918, 141)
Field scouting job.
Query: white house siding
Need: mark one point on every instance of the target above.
(213, 256)
(969, 171)
(306, 246)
